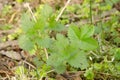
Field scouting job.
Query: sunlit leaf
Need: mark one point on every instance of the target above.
(26, 22)
(25, 43)
(78, 60)
(82, 38)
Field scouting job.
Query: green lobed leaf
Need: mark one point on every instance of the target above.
(25, 43)
(40, 25)
(26, 22)
(88, 44)
(61, 42)
(55, 60)
(46, 11)
(86, 31)
(58, 49)
(75, 33)
(60, 69)
(68, 52)
(78, 60)
(44, 42)
(55, 25)
(72, 34)
(82, 39)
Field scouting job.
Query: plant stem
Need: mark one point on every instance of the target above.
(91, 12)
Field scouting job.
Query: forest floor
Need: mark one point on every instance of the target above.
(11, 55)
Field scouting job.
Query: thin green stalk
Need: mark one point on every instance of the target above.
(91, 12)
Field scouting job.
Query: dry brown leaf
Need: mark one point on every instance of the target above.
(11, 54)
(7, 44)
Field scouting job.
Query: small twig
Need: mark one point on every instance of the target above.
(12, 17)
(2, 19)
(46, 52)
(63, 10)
(28, 6)
(29, 64)
(94, 54)
(91, 20)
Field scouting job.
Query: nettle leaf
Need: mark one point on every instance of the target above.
(26, 22)
(88, 44)
(25, 43)
(44, 42)
(73, 34)
(55, 25)
(68, 52)
(57, 50)
(83, 32)
(61, 42)
(40, 25)
(57, 62)
(78, 60)
(86, 31)
(82, 39)
(60, 69)
(46, 11)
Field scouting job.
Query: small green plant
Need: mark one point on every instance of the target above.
(71, 50)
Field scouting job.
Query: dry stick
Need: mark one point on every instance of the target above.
(63, 10)
(2, 19)
(46, 52)
(94, 54)
(29, 64)
(12, 17)
(28, 6)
